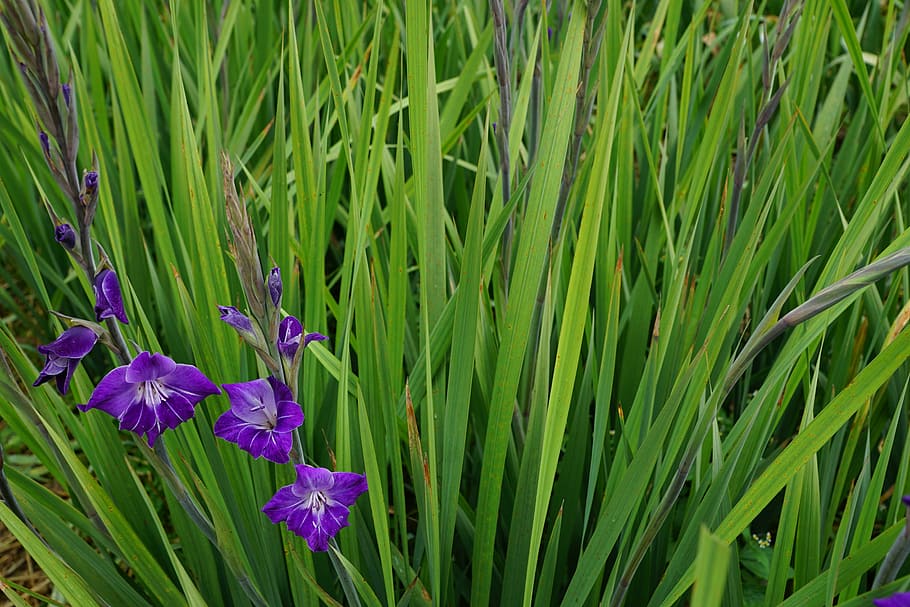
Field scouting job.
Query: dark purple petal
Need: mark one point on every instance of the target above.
(906, 500)
(149, 367)
(108, 299)
(45, 143)
(289, 333)
(113, 394)
(900, 599)
(236, 319)
(290, 416)
(67, 93)
(63, 356)
(278, 448)
(65, 235)
(348, 487)
(275, 286)
(281, 505)
(317, 505)
(281, 391)
(75, 342)
(313, 337)
(191, 382)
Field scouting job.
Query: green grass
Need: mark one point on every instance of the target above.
(588, 430)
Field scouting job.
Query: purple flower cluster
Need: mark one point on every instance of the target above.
(264, 418)
(149, 394)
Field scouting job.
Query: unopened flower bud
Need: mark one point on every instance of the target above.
(65, 235)
(275, 286)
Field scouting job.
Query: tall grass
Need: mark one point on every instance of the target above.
(617, 411)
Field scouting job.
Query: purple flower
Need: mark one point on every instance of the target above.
(906, 500)
(236, 319)
(316, 506)
(45, 143)
(261, 420)
(67, 93)
(900, 599)
(65, 235)
(275, 286)
(150, 394)
(108, 299)
(63, 356)
(289, 333)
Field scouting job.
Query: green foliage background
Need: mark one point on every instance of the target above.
(544, 425)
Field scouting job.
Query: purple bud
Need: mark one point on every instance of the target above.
(906, 500)
(275, 286)
(236, 319)
(494, 128)
(67, 94)
(45, 143)
(90, 182)
(549, 33)
(65, 235)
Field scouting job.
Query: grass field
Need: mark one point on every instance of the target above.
(614, 295)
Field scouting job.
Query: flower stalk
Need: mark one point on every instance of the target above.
(767, 331)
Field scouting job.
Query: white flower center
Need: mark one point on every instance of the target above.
(316, 501)
(152, 393)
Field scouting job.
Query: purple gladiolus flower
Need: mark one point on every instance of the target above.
(275, 286)
(290, 332)
(67, 93)
(65, 235)
(317, 505)
(151, 394)
(108, 299)
(261, 420)
(236, 319)
(45, 143)
(900, 599)
(63, 356)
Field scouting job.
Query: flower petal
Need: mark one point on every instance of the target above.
(281, 505)
(190, 381)
(108, 298)
(252, 401)
(113, 394)
(348, 487)
(278, 448)
(289, 417)
(310, 337)
(289, 333)
(149, 367)
(75, 342)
